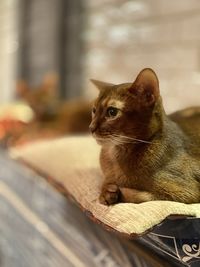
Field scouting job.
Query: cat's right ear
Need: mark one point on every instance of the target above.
(22, 89)
(146, 87)
(101, 85)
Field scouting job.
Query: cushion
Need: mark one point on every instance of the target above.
(73, 164)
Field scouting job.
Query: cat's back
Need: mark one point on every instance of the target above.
(189, 121)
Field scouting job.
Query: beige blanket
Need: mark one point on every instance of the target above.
(73, 163)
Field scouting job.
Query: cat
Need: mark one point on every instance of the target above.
(145, 155)
(52, 116)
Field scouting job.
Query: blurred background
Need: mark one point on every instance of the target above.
(110, 40)
(103, 39)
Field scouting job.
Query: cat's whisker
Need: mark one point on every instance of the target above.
(129, 139)
(119, 141)
(105, 139)
(115, 141)
(111, 139)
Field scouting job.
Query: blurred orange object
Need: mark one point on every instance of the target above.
(2, 131)
(13, 120)
(10, 128)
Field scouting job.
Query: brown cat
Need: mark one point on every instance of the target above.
(53, 116)
(146, 155)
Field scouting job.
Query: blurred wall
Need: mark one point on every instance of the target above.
(125, 36)
(8, 48)
(110, 40)
(50, 41)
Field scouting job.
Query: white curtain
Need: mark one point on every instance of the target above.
(8, 48)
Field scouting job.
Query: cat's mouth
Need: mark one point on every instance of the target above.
(101, 139)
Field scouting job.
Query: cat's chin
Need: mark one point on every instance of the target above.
(100, 141)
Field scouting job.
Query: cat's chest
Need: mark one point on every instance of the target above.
(118, 166)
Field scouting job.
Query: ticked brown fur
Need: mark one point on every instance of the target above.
(146, 155)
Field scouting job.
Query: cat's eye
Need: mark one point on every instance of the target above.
(93, 110)
(112, 112)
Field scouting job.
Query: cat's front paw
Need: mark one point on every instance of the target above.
(109, 194)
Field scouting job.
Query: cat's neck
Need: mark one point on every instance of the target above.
(150, 156)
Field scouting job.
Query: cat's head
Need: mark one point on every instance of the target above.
(128, 111)
(43, 100)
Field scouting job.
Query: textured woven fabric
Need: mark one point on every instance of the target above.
(73, 162)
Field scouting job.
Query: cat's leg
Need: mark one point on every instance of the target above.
(130, 195)
(109, 194)
(112, 194)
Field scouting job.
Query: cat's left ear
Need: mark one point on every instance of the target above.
(146, 87)
(101, 85)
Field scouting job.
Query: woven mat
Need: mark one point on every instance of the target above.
(73, 163)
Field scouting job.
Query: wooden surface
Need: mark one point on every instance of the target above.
(39, 227)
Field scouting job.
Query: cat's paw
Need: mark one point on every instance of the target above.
(109, 194)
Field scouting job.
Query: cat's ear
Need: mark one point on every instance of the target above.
(101, 85)
(146, 87)
(22, 89)
(50, 84)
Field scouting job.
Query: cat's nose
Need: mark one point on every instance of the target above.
(92, 127)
